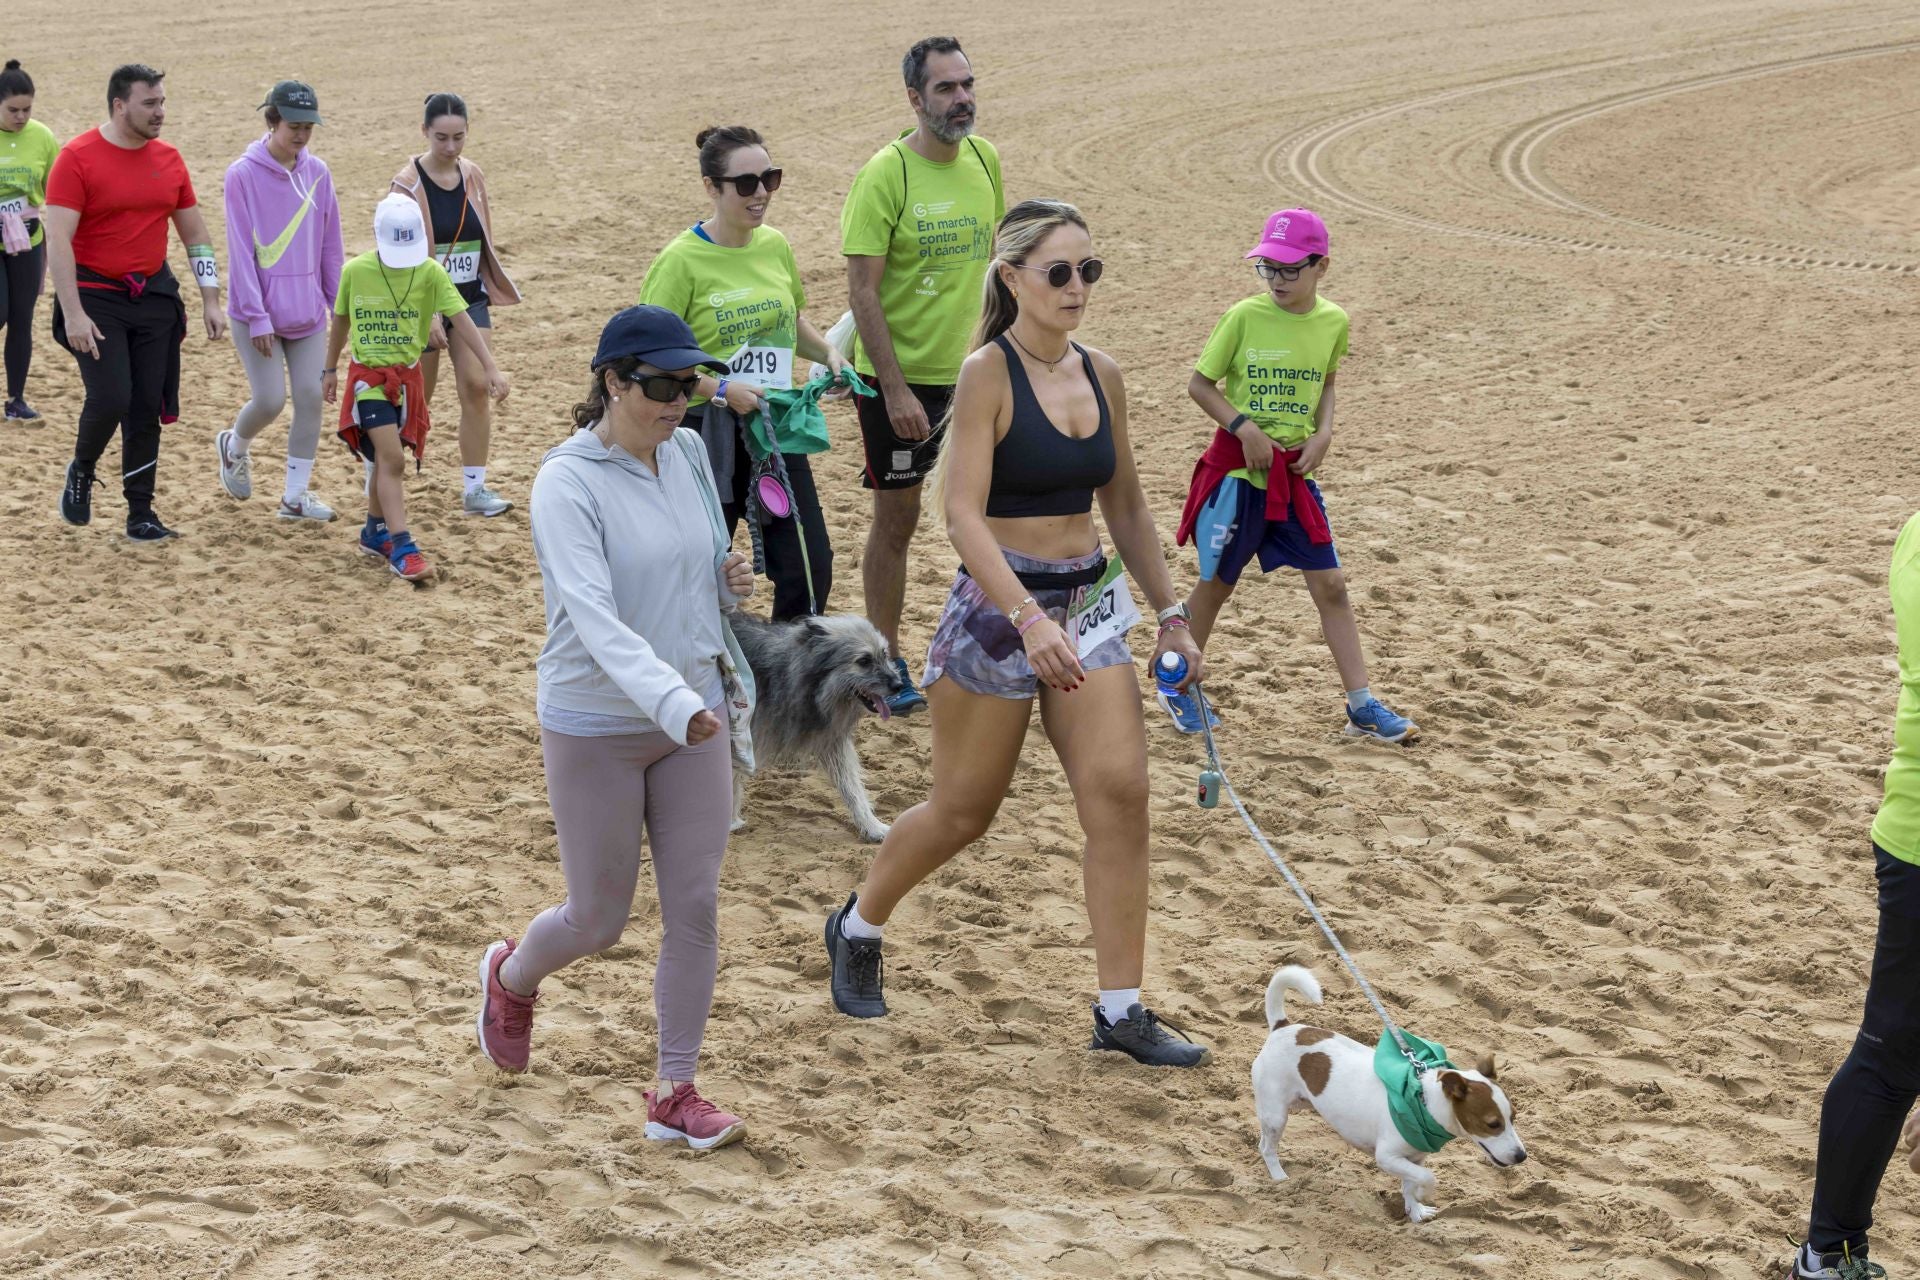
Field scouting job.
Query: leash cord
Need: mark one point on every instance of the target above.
(1293, 882)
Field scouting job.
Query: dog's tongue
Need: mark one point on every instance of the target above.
(885, 712)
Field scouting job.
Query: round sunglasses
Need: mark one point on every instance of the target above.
(1274, 271)
(663, 387)
(748, 183)
(1060, 272)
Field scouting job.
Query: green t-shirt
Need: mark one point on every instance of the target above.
(744, 304)
(1276, 364)
(1896, 828)
(26, 158)
(934, 224)
(391, 312)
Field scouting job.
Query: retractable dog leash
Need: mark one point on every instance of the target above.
(1172, 668)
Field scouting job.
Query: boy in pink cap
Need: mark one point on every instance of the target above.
(1266, 379)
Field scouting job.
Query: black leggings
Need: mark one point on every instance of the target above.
(788, 572)
(19, 290)
(126, 385)
(1875, 1087)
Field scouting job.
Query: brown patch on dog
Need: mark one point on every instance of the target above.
(1314, 1069)
(1280, 1024)
(1473, 1105)
(1312, 1035)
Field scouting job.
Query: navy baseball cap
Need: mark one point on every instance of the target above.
(655, 335)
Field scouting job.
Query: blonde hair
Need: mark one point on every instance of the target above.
(1026, 225)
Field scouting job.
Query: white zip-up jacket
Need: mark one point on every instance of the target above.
(634, 588)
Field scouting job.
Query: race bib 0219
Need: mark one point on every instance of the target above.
(770, 367)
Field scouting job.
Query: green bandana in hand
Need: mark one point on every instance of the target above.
(799, 424)
(1409, 1110)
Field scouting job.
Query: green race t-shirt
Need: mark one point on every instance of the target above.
(1896, 828)
(1276, 364)
(744, 304)
(391, 312)
(26, 157)
(934, 224)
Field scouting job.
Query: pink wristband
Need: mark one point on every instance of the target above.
(1029, 621)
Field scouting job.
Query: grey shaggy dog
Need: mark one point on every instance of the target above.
(815, 680)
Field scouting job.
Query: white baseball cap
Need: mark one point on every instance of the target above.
(399, 233)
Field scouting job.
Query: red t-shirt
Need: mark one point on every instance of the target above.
(124, 199)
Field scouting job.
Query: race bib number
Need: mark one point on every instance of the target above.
(16, 205)
(206, 272)
(1106, 611)
(462, 260)
(771, 367)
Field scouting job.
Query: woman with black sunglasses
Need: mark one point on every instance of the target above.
(734, 279)
(631, 722)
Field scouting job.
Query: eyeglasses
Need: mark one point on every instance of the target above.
(663, 387)
(1274, 271)
(1060, 272)
(748, 183)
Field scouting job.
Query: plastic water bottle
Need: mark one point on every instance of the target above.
(1170, 671)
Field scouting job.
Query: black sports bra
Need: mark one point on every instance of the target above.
(1039, 470)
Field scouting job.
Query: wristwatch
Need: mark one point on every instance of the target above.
(720, 391)
(1179, 611)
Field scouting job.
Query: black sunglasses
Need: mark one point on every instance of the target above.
(748, 183)
(1274, 271)
(664, 387)
(1060, 272)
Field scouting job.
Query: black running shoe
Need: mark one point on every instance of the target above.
(18, 410)
(146, 527)
(76, 500)
(1143, 1036)
(856, 970)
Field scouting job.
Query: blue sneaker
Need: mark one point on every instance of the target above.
(375, 542)
(1185, 712)
(1376, 720)
(909, 699)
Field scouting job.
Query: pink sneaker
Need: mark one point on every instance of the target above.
(687, 1117)
(505, 1025)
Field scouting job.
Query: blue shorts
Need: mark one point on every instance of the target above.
(1232, 528)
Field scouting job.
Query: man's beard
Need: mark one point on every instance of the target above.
(946, 130)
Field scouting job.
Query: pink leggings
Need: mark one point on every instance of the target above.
(603, 790)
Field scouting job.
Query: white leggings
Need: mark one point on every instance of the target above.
(304, 358)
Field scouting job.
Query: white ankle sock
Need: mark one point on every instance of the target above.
(237, 445)
(299, 471)
(1114, 1004)
(853, 926)
(474, 478)
(1358, 698)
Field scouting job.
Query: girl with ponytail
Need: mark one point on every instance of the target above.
(1037, 433)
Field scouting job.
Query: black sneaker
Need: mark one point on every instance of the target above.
(18, 410)
(146, 527)
(76, 500)
(1143, 1036)
(856, 970)
(1844, 1265)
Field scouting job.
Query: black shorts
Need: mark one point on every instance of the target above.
(893, 463)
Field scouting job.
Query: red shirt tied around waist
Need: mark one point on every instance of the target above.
(125, 198)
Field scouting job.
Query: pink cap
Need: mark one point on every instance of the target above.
(1292, 235)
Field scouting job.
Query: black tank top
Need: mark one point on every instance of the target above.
(1039, 470)
(454, 215)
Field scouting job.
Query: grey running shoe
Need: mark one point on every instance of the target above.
(1143, 1036)
(856, 970)
(485, 502)
(236, 469)
(1843, 1265)
(308, 507)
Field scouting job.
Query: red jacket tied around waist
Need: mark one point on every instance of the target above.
(1285, 490)
(404, 385)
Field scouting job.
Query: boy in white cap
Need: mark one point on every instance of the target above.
(385, 306)
(1266, 379)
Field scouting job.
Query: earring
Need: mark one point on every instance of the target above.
(616, 399)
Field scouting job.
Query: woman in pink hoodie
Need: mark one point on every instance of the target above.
(284, 252)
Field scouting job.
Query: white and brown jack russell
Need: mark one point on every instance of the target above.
(1304, 1066)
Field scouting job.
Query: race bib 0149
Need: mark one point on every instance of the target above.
(461, 260)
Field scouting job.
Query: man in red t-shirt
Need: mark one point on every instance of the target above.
(118, 310)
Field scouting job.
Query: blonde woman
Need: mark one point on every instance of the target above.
(1038, 431)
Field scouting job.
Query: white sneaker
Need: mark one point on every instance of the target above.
(236, 470)
(484, 502)
(307, 508)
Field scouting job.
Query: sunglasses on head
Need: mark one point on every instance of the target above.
(663, 387)
(1060, 272)
(1274, 271)
(748, 183)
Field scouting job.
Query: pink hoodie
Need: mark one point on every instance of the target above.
(279, 283)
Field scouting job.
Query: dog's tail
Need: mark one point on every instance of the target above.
(1289, 978)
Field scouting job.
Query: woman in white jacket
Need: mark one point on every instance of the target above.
(631, 710)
